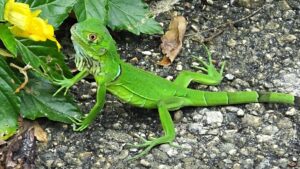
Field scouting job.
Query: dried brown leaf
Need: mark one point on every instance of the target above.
(172, 40)
(40, 133)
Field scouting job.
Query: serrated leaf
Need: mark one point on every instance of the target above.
(8, 39)
(2, 5)
(131, 15)
(9, 101)
(55, 11)
(37, 101)
(91, 9)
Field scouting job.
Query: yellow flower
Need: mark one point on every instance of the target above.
(27, 24)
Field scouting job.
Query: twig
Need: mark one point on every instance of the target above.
(24, 72)
(5, 53)
(222, 26)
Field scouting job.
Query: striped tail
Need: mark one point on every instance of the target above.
(201, 98)
(273, 97)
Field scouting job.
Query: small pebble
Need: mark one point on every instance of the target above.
(240, 112)
(179, 67)
(170, 78)
(146, 53)
(145, 163)
(231, 43)
(254, 30)
(85, 96)
(214, 117)
(229, 76)
(291, 112)
(210, 2)
(250, 120)
(178, 115)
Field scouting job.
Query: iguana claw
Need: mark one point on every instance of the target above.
(64, 83)
(209, 67)
(147, 144)
(75, 120)
(81, 123)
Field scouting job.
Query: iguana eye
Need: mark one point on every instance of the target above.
(92, 37)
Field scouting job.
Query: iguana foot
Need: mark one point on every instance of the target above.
(209, 67)
(148, 145)
(81, 123)
(64, 83)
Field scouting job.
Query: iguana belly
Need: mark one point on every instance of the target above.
(132, 98)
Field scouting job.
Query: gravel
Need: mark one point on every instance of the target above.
(261, 53)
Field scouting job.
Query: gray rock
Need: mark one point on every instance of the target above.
(228, 148)
(229, 76)
(283, 162)
(179, 67)
(231, 43)
(285, 123)
(291, 112)
(214, 117)
(232, 109)
(289, 14)
(197, 128)
(197, 117)
(145, 163)
(250, 120)
(171, 151)
(178, 115)
(240, 112)
(270, 130)
(248, 163)
(146, 52)
(288, 38)
(264, 138)
(272, 25)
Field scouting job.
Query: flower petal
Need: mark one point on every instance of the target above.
(27, 24)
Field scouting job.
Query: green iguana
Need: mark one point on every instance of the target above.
(96, 54)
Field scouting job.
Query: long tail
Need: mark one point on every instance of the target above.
(242, 97)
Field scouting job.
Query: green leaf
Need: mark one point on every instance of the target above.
(8, 39)
(2, 5)
(51, 60)
(9, 101)
(91, 9)
(37, 101)
(55, 11)
(28, 56)
(131, 15)
(44, 58)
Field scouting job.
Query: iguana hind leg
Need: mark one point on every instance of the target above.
(164, 106)
(213, 76)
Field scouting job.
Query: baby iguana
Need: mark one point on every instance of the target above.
(96, 54)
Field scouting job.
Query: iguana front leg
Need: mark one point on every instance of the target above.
(100, 100)
(213, 76)
(67, 83)
(164, 106)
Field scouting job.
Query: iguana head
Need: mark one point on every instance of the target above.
(92, 37)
